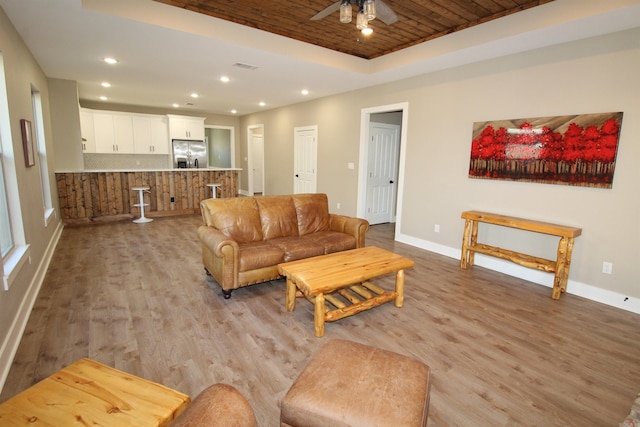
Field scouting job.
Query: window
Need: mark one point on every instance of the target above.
(6, 237)
(15, 251)
(43, 166)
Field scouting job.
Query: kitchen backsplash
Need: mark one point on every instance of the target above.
(125, 162)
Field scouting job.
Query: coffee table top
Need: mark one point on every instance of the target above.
(327, 273)
(90, 393)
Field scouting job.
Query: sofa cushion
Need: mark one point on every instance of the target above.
(261, 254)
(333, 241)
(312, 211)
(238, 218)
(278, 216)
(295, 248)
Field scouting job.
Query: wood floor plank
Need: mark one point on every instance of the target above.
(502, 352)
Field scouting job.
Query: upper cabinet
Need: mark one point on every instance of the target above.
(150, 135)
(186, 127)
(123, 133)
(113, 133)
(86, 129)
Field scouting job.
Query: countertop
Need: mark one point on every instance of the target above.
(149, 170)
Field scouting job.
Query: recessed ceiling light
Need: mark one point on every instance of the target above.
(262, 103)
(110, 60)
(175, 105)
(234, 111)
(304, 92)
(194, 95)
(105, 84)
(103, 98)
(224, 79)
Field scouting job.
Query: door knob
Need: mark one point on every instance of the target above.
(390, 182)
(297, 176)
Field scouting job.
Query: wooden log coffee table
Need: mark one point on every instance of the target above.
(88, 393)
(346, 274)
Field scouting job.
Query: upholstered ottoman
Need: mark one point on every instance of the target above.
(351, 384)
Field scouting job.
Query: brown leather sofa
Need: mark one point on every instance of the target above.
(245, 238)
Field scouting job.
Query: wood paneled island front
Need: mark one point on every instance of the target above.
(98, 196)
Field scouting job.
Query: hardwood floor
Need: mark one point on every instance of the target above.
(502, 352)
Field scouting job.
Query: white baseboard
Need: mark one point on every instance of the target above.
(584, 290)
(12, 340)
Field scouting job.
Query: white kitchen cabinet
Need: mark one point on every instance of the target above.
(87, 132)
(104, 132)
(186, 127)
(150, 135)
(123, 131)
(113, 133)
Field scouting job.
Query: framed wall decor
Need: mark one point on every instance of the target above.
(575, 150)
(27, 143)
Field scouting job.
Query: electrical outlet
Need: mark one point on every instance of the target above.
(436, 228)
(607, 267)
(338, 206)
(173, 199)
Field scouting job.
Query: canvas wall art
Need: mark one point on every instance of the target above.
(570, 150)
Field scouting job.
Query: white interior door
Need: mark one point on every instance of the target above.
(382, 168)
(305, 159)
(257, 142)
(255, 159)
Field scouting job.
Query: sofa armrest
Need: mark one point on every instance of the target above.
(220, 256)
(218, 405)
(219, 244)
(356, 227)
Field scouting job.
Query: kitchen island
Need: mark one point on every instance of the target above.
(94, 196)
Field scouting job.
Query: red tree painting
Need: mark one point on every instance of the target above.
(570, 150)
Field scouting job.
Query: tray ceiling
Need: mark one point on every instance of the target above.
(418, 21)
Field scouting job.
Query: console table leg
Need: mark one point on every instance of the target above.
(563, 262)
(318, 316)
(473, 241)
(399, 288)
(466, 236)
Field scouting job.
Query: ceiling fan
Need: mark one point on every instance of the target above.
(383, 11)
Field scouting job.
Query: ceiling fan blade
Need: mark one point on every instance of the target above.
(384, 13)
(326, 11)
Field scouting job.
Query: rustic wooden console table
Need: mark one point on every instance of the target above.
(559, 266)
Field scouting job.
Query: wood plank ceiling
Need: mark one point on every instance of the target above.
(418, 21)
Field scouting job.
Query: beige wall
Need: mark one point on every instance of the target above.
(65, 122)
(22, 73)
(589, 76)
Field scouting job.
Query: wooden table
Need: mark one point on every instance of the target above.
(560, 266)
(88, 393)
(347, 274)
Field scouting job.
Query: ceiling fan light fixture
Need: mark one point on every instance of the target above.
(346, 11)
(370, 9)
(361, 20)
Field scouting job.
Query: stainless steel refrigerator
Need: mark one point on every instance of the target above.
(189, 153)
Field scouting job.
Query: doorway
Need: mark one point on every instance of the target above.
(370, 151)
(255, 151)
(221, 143)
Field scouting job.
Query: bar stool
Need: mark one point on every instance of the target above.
(214, 188)
(141, 205)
